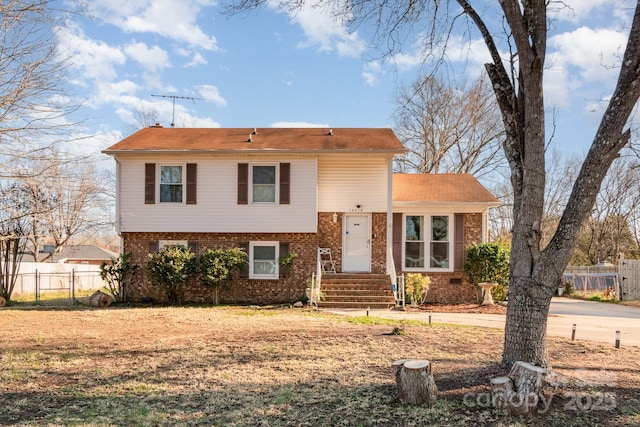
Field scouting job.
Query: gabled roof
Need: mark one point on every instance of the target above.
(83, 252)
(159, 139)
(440, 188)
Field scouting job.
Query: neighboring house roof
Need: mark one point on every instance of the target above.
(157, 138)
(83, 252)
(440, 188)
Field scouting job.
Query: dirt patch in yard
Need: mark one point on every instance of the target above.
(236, 366)
(462, 308)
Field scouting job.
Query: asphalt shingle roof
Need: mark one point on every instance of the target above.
(280, 139)
(440, 188)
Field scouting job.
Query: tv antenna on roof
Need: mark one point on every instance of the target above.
(174, 97)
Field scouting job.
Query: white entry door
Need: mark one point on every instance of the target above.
(356, 255)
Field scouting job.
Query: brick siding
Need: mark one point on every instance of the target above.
(242, 290)
(450, 288)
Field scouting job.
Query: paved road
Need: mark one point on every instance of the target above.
(594, 321)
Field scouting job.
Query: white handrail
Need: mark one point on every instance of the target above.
(397, 282)
(316, 280)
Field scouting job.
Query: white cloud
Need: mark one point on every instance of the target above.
(371, 72)
(152, 59)
(212, 94)
(175, 20)
(576, 10)
(96, 59)
(321, 27)
(197, 59)
(298, 125)
(591, 51)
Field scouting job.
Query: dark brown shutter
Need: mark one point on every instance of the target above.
(282, 252)
(284, 249)
(192, 181)
(149, 183)
(285, 178)
(153, 247)
(245, 247)
(397, 242)
(243, 183)
(458, 248)
(193, 247)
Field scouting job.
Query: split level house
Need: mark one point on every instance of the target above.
(276, 191)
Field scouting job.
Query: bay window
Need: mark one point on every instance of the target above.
(427, 242)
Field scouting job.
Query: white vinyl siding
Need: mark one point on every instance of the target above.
(346, 181)
(217, 209)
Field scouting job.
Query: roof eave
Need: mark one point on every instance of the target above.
(256, 151)
(440, 203)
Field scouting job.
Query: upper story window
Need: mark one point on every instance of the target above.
(427, 242)
(263, 184)
(171, 183)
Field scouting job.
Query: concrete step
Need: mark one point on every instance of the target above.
(356, 291)
(352, 304)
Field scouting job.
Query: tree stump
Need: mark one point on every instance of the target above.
(501, 392)
(415, 382)
(521, 391)
(2, 301)
(100, 299)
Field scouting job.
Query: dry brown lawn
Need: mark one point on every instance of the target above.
(231, 366)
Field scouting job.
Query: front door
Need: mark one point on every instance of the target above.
(357, 244)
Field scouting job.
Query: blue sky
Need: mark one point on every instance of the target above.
(271, 69)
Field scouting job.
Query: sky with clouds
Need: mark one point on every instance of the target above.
(270, 68)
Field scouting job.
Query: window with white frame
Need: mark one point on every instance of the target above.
(440, 244)
(171, 183)
(180, 243)
(263, 184)
(427, 242)
(263, 260)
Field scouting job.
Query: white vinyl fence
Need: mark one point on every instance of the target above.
(36, 278)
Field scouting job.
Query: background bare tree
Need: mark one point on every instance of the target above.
(517, 80)
(13, 230)
(449, 129)
(608, 233)
(33, 104)
(67, 198)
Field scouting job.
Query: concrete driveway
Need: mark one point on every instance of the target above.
(594, 321)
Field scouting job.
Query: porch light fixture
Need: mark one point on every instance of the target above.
(335, 217)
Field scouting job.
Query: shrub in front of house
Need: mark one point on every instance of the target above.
(489, 262)
(169, 268)
(219, 266)
(118, 275)
(416, 287)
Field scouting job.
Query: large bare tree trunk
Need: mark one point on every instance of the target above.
(535, 272)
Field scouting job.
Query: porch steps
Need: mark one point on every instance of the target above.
(356, 291)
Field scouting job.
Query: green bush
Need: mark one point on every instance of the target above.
(416, 287)
(169, 268)
(118, 276)
(286, 263)
(489, 262)
(219, 266)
